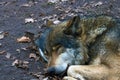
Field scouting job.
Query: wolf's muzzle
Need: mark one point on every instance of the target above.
(58, 71)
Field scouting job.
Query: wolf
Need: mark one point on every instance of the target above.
(88, 48)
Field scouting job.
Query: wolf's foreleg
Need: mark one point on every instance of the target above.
(92, 72)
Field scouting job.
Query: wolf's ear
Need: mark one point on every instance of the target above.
(73, 27)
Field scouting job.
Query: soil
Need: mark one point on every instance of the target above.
(12, 25)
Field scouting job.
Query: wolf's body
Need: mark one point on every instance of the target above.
(91, 46)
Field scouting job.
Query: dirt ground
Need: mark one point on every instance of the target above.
(12, 26)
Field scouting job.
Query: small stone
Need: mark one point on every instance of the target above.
(99, 3)
(18, 50)
(29, 20)
(56, 22)
(1, 35)
(53, 1)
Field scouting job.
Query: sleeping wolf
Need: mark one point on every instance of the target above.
(88, 48)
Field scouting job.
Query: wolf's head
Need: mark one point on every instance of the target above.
(66, 43)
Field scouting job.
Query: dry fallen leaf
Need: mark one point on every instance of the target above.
(29, 20)
(37, 75)
(2, 52)
(1, 35)
(20, 64)
(24, 49)
(3, 3)
(98, 3)
(25, 62)
(24, 39)
(15, 62)
(6, 34)
(8, 55)
(32, 55)
(26, 5)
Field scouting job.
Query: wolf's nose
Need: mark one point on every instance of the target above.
(51, 71)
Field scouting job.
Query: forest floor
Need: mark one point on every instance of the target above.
(14, 22)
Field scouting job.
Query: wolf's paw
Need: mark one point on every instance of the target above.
(69, 78)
